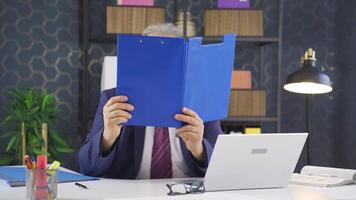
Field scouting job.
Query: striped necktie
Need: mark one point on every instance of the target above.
(161, 162)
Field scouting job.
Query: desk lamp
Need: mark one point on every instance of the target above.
(308, 80)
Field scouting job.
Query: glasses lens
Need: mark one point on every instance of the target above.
(176, 189)
(197, 187)
(186, 188)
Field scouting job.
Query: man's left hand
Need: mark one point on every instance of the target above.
(192, 133)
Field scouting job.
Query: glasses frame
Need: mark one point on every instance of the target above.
(193, 187)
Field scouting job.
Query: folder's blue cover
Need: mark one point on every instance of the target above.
(208, 77)
(15, 176)
(160, 75)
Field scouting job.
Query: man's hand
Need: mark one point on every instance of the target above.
(115, 113)
(192, 133)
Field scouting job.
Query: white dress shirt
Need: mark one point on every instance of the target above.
(179, 167)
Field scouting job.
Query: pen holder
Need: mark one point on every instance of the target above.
(41, 184)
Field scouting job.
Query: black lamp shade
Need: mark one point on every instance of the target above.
(308, 80)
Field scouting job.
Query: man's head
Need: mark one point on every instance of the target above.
(165, 30)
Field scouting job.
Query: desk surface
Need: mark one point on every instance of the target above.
(156, 190)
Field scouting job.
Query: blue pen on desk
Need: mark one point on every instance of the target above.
(81, 185)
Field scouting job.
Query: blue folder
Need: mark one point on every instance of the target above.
(16, 176)
(161, 75)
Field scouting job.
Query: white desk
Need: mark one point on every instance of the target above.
(156, 190)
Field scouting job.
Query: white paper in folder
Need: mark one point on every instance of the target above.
(108, 74)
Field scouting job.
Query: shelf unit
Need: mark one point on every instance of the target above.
(111, 38)
(262, 42)
(259, 41)
(250, 119)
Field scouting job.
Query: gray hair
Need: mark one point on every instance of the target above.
(165, 28)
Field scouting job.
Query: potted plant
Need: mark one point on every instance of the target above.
(30, 118)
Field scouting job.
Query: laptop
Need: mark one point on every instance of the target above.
(253, 161)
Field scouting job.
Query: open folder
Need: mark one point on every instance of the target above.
(161, 75)
(15, 176)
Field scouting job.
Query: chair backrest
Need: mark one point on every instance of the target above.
(109, 71)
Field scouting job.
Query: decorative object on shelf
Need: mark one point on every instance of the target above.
(247, 103)
(241, 22)
(121, 19)
(308, 80)
(135, 2)
(241, 79)
(233, 3)
(30, 118)
(191, 30)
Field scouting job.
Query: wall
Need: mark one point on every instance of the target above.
(343, 124)
(39, 48)
(328, 26)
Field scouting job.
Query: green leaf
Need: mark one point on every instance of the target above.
(7, 120)
(15, 93)
(37, 151)
(54, 154)
(8, 134)
(58, 139)
(33, 141)
(47, 100)
(64, 149)
(29, 99)
(34, 110)
(12, 142)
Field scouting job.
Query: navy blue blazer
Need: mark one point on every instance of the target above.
(124, 159)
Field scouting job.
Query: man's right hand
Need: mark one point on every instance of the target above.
(115, 113)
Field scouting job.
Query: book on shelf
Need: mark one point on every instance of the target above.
(324, 176)
(233, 3)
(252, 130)
(241, 79)
(247, 103)
(135, 2)
(129, 19)
(241, 22)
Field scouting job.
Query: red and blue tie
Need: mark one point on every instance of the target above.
(161, 162)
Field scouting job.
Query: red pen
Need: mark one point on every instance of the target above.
(41, 178)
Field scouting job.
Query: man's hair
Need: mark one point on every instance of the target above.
(165, 28)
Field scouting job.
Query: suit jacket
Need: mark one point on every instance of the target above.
(124, 159)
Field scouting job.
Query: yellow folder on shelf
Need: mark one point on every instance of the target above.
(252, 130)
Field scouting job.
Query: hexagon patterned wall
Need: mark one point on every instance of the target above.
(39, 48)
(329, 27)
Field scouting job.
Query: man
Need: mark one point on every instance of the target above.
(114, 150)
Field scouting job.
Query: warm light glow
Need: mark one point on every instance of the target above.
(307, 88)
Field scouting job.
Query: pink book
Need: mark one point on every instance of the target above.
(136, 2)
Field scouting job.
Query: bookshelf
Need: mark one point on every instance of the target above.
(111, 38)
(260, 42)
